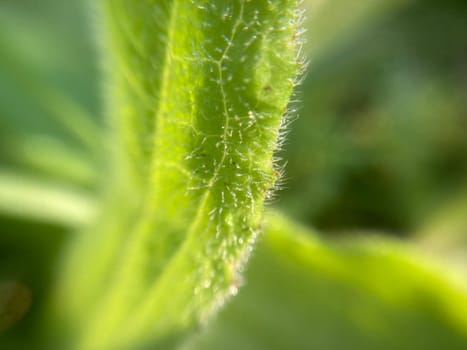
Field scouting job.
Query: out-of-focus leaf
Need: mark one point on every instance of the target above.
(302, 292)
(445, 232)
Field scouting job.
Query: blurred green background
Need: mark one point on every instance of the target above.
(379, 145)
(381, 139)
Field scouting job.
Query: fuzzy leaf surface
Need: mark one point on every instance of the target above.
(198, 92)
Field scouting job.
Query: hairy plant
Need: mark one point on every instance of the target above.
(198, 96)
(198, 92)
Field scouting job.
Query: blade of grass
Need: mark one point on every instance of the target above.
(27, 197)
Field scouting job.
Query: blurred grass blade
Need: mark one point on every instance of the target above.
(29, 198)
(51, 157)
(306, 293)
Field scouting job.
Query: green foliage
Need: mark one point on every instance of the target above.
(157, 209)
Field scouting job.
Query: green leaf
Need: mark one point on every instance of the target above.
(198, 94)
(302, 292)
